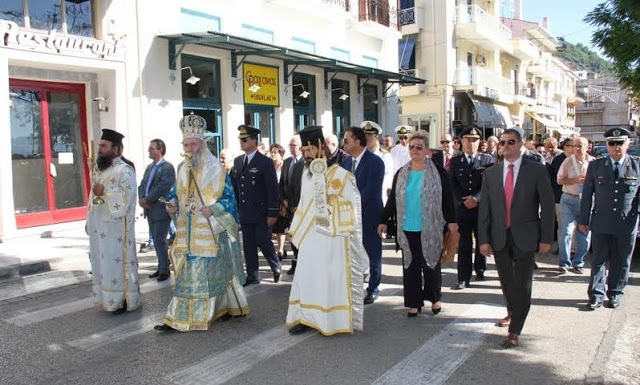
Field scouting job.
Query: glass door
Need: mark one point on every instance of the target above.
(48, 137)
(262, 118)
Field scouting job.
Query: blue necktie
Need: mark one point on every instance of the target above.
(152, 173)
(293, 163)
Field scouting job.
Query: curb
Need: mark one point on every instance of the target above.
(26, 268)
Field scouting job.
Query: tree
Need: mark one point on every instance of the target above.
(617, 33)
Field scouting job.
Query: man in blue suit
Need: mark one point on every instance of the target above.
(609, 208)
(369, 171)
(256, 188)
(158, 179)
(466, 177)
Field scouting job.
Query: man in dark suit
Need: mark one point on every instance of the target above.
(515, 220)
(369, 171)
(289, 189)
(466, 177)
(609, 208)
(443, 158)
(158, 179)
(256, 191)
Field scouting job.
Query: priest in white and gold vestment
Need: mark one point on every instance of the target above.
(327, 291)
(206, 256)
(110, 225)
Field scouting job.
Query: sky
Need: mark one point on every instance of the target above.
(565, 15)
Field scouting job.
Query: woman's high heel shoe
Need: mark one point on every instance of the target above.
(410, 314)
(436, 310)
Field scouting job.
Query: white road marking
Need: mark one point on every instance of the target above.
(37, 283)
(127, 330)
(443, 353)
(224, 366)
(27, 317)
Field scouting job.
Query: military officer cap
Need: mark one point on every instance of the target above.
(111, 135)
(403, 130)
(245, 131)
(471, 133)
(617, 134)
(313, 136)
(371, 127)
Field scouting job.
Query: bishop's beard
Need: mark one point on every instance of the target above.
(104, 161)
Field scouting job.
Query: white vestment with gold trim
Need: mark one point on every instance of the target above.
(327, 291)
(114, 265)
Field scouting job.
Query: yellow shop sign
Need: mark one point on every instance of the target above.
(261, 85)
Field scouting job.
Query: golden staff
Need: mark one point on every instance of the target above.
(93, 169)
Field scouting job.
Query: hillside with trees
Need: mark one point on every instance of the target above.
(580, 57)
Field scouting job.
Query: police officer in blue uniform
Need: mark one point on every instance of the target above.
(466, 177)
(256, 187)
(609, 208)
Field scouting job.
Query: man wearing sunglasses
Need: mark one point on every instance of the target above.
(443, 158)
(400, 153)
(256, 188)
(466, 178)
(609, 208)
(515, 220)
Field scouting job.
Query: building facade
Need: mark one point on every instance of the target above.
(72, 67)
(482, 70)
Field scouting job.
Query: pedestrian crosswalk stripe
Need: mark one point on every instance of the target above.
(222, 367)
(127, 330)
(443, 353)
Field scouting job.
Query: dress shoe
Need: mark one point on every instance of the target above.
(436, 309)
(154, 275)
(291, 271)
(511, 341)
(411, 315)
(225, 317)
(276, 275)
(480, 276)
(143, 248)
(370, 298)
(503, 323)
(461, 285)
(593, 305)
(164, 328)
(250, 281)
(613, 303)
(163, 277)
(299, 328)
(280, 256)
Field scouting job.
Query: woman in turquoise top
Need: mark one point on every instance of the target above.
(422, 201)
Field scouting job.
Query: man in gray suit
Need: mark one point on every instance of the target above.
(515, 220)
(609, 208)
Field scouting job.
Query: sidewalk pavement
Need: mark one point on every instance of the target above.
(63, 246)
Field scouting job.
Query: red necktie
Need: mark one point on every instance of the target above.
(508, 195)
(446, 162)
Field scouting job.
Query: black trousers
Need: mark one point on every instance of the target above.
(420, 281)
(468, 227)
(256, 235)
(515, 269)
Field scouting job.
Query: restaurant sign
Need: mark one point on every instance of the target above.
(261, 85)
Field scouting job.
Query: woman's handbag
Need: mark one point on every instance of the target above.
(449, 247)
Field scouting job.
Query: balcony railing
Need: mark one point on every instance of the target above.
(523, 90)
(406, 16)
(344, 4)
(488, 83)
(378, 11)
(468, 14)
(590, 106)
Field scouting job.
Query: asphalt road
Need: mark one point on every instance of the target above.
(50, 333)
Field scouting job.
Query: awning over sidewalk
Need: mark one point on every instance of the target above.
(550, 124)
(241, 47)
(490, 115)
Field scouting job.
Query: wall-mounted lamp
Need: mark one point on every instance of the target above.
(253, 87)
(375, 101)
(341, 97)
(191, 80)
(304, 94)
(102, 101)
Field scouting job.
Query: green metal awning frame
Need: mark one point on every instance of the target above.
(241, 48)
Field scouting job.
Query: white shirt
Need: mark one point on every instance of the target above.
(357, 159)
(250, 156)
(516, 170)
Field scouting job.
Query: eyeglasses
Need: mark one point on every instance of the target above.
(418, 147)
(402, 137)
(445, 141)
(510, 142)
(615, 143)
